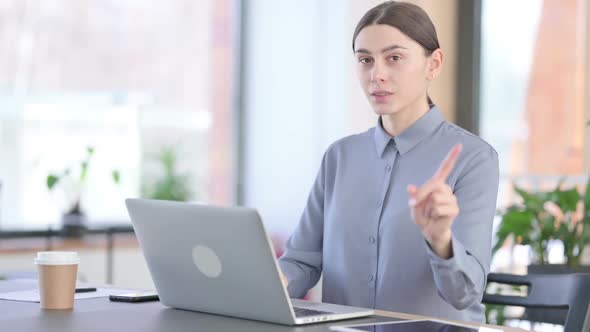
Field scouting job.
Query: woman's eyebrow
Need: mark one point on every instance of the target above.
(386, 49)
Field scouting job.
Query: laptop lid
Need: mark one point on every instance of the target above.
(211, 259)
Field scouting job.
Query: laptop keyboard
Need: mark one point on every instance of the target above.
(300, 312)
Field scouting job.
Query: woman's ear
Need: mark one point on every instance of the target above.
(434, 64)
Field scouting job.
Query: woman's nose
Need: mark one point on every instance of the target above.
(378, 73)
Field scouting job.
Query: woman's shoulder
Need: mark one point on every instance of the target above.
(472, 144)
(477, 156)
(351, 143)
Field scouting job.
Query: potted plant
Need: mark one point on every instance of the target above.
(171, 185)
(72, 181)
(543, 216)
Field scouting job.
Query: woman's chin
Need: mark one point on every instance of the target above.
(384, 110)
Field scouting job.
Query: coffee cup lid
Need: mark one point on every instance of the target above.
(57, 258)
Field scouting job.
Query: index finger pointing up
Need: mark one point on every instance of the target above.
(419, 194)
(448, 163)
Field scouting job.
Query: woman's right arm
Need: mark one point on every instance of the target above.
(302, 261)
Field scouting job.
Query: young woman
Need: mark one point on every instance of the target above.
(399, 217)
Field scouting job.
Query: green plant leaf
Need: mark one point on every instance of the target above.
(83, 170)
(515, 222)
(547, 227)
(587, 200)
(567, 200)
(51, 181)
(116, 176)
(532, 201)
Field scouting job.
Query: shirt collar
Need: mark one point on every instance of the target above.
(410, 137)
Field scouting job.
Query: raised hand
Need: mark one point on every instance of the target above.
(434, 206)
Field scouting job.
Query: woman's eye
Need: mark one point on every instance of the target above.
(365, 60)
(395, 57)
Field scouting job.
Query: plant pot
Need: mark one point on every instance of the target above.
(553, 316)
(73, 224)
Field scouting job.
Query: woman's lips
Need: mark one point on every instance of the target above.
(381, 96)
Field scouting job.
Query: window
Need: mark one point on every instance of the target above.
(532, 108)
(134, 80)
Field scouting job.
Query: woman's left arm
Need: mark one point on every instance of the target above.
(457, 225)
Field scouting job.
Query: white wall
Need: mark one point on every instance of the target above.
(296, 101)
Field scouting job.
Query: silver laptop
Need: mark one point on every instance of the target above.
(220, 260)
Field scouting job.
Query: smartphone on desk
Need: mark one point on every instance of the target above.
(135, 297)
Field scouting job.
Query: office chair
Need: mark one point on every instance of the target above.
(565, 291)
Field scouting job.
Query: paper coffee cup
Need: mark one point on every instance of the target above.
(57, 278)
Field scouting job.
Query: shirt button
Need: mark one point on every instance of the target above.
(371, 240)
(388, 168)
(371, 278)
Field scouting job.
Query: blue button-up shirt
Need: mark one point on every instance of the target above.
(357, 228)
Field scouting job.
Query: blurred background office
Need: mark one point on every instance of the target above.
(234, 102)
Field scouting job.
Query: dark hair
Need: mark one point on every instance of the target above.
(408, 18)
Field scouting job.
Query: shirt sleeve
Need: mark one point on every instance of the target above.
(461, 279)
(302, 260)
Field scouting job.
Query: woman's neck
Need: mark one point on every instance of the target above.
(395, 124)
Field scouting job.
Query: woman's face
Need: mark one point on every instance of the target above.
(393, 69)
